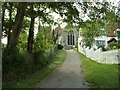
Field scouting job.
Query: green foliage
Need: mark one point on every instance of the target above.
(40, 54)
(69, 26)
(60, 47)
(40, 59)
(46, 30)
(90, 30)
(118, 43)
(3, 46)
(113, 45)
(26, 24)
(17, 65)
(22, 42)
(101, 16)
(41, 42)
(13, 64)
(17, 62)
(33, 78)
(87, 41)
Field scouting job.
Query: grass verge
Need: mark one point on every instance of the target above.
(99, 75)
(33, 79)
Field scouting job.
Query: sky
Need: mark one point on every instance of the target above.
(63, 24)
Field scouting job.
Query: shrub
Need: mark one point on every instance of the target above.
(102, 47)
(17, 64)
(60, 47)
(112, 45)
(13, 64)
(40, 58)
(118, 43)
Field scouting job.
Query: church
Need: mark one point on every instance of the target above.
(68, 38)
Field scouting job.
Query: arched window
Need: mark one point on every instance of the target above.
(71, 38)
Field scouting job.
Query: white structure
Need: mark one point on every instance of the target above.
(106, 57)
(103, 40)
(68, 39)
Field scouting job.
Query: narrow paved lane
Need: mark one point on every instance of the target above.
(68, 75)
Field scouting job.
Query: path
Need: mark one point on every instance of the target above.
(68, 75)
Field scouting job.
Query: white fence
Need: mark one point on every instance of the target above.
(106, 57)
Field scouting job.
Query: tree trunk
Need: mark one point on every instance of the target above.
(3, 14)
(31, 35)
(18, 24)
(10, 27)
(39, 26)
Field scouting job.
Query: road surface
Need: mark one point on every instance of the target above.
(67, 75)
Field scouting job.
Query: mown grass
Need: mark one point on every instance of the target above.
(99, 75)
(33, 79)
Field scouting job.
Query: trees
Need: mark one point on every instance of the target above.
(31, 29)
(18, 24)
(10, 25)
(100, 15)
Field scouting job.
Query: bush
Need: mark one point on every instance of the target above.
(60, 47)
(119, 44)
(13, 64)
(17, 65)
(102, 47)
(113, 45)
(40, 58)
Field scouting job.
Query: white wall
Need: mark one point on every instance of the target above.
(106, 57)
(105, 38)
